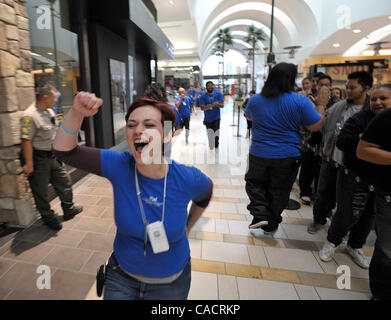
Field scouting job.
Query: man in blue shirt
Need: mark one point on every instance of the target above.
(183, 103)
(211, 102)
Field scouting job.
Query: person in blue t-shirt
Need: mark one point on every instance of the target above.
(151, 197)
(184, 104)
(277, 114)
(191, 93)
(157, 92)
(211, 102)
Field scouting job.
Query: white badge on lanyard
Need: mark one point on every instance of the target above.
(157, 237)
(155, 231)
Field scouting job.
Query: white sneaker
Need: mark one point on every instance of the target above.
(305, 200)
(327, 252)
(358, 257)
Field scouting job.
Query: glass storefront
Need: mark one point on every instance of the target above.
(118, 98)
(55, 51)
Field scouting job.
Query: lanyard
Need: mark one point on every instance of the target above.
(145, 220)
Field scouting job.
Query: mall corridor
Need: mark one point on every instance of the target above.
(228, 261)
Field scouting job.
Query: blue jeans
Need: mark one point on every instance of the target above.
(120, 286)
(380, 267)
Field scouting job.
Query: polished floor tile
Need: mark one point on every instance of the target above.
(211, 236)
(292, 259)
(257, 256)
(203, 286)
(306, 292)
(208, 266)
(222, 207)
(222, 226)
(225, 252)
(336, 294)
(205, 224)
(299, 232)
(195, 248)
(280, 275)
(228, 288)
(318, 279)
(240, 270)
(255, 289)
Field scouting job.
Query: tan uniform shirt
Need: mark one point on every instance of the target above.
(39, 127)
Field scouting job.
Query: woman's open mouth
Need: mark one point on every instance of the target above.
(139, 146)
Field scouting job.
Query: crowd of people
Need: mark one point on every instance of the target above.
(336, 142)
(342, 147)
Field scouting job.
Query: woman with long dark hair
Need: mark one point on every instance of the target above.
(277, 114)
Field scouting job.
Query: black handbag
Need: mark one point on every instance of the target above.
(100, 279)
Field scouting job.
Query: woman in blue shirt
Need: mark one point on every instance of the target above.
(277, 114)
(151, 258)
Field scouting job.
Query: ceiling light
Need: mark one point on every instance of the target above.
(50, 53)
(183, 52)
(357, 31)
(336, 45)
(383, 52)
(389, 17)
(183, 45)
(171, 1)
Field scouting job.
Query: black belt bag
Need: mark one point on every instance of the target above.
(100, 279)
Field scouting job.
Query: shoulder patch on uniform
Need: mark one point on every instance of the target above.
(25, 131)
(27, 121)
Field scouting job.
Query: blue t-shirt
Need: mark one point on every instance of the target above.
(276, 124)
(179, 119)
(184, 107)
(206, 99)
(184, 184)
(191, 93)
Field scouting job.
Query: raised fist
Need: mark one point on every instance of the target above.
(323, 96)
(87, 104)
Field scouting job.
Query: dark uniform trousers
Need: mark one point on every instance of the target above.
(47, 169)
(268, 186)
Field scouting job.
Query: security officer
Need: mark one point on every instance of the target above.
(38, 131)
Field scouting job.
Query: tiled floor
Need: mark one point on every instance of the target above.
(229, 262)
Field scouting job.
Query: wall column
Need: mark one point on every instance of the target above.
(16, 94)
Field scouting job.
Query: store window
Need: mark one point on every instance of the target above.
(55, 51)
(118, 98)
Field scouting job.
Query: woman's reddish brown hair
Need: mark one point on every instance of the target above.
(167, 113)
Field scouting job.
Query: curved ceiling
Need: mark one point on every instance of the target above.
(309, 23)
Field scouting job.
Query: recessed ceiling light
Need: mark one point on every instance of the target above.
(336, 45)
(171, 1)
(356, 30)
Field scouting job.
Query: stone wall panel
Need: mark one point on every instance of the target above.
(8, 96)
(10, 128)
